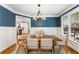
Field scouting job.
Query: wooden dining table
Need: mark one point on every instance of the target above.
(54, 38)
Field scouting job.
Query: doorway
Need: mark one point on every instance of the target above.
(22, 25)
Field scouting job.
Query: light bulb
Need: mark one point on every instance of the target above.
(44, 18)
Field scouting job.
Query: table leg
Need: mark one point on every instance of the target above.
(53, 46)
(39, 47)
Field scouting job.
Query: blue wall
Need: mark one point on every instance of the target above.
(49, 22)
(7, 18)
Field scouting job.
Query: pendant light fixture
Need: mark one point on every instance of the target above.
(39, 16)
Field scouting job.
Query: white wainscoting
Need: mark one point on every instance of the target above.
(47, 30)
(7, 37)
(8, 34)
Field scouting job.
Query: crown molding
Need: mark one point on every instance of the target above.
(17, 13)
(67, 10)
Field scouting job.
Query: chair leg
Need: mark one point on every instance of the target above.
(52, 51)
(39, 50)
(59, 49)
(18, 47)
(26, 51)
(24, 48)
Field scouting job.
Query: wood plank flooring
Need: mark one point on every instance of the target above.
(13, 47)
(9, 50)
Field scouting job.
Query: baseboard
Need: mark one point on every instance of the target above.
(9, 50)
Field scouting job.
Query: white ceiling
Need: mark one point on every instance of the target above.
(46, 9)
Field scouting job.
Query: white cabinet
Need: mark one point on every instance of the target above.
(65, 25)
(71, 21)
(75, 26)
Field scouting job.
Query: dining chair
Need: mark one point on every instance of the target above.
(21, 42)
(46, 44)
(39, 33)
(32, 44)
(62, 43)
(20, 45)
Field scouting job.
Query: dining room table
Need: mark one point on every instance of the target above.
(54, 38)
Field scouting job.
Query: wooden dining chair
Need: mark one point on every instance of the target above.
(46, 44)
(39, 33)
(32, 44)
(21, 42)
(63, 43)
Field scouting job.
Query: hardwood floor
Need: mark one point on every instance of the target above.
(9, 50)
(12, 48)
(70, 50)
